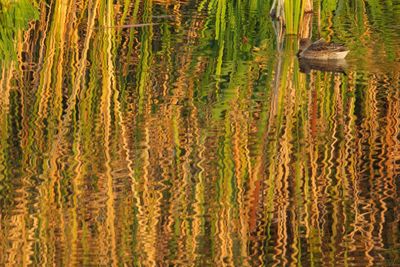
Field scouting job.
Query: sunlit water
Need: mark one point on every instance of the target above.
(193, 139)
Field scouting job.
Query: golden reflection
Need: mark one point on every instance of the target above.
(193, 141)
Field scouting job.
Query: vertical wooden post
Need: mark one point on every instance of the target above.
(305, 29)
(308, 6)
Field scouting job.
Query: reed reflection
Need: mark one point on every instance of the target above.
(195, 139)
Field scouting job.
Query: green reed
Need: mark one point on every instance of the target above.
(293, 13)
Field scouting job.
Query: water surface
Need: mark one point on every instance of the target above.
(183, 133)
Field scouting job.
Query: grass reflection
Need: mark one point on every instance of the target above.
(195, 139)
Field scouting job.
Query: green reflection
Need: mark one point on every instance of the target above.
(14, 17)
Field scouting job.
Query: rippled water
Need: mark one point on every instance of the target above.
(183, 133)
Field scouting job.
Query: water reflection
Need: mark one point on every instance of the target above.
(338, 65)
(196, 141)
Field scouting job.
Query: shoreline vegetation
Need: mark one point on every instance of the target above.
(290, 13)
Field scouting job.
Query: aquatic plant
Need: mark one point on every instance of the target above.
(290, 13)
